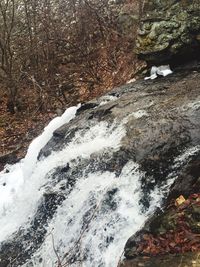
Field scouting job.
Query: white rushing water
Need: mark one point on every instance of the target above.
(99, 213)
(102, 238)
(86, 216)
(15, 185)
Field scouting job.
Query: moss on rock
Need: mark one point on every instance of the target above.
(169, 29)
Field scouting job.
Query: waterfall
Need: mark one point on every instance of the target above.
(97, 209)
(15, 178)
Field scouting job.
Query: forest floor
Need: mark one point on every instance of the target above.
(17, 131)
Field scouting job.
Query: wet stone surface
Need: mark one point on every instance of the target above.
(162, 121)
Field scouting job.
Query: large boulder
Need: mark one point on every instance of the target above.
(170, 31)
(161, 126)
(170, 237)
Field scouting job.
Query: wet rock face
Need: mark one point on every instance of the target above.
(169, 30)
(171, 235)
(162, 120)
(162, 123)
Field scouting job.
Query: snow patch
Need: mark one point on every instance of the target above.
(163, 70)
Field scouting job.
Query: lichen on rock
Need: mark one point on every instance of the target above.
(169, 30)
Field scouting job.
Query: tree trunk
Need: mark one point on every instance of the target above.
(12, 97)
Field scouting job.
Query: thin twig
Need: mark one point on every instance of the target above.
(54, 249)
(181, 262)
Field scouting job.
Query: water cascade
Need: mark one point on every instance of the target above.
(78, 204)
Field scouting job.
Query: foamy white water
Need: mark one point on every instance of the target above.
(98, 209)
(26, 197)
(12, 184)
(101, 211)
(95, 221)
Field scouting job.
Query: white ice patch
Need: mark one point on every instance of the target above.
(20, 203)
(11, 183)
(163, 70)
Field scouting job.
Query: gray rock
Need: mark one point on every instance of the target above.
(162, 121)
(169, 31)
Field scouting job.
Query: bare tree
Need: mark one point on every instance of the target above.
(7, 21)
(63, 45)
